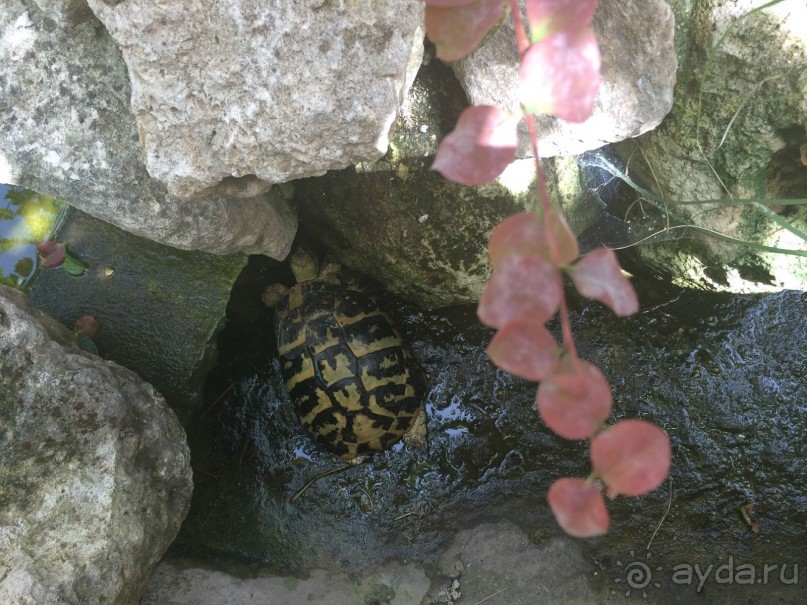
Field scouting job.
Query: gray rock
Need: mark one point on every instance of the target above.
(491, 559)
(736, 130)
(67, 12)
(68, 131)
(241, 90)
(501, 558)
(95, 474)
(186, 583)
(638, 76)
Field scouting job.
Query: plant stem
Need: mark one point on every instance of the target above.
(522, 42)
(554, 252)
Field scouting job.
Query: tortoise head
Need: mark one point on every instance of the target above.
(273, 294)
(303, 264)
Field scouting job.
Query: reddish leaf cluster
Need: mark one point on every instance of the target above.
(527, 281)
(573, 399)
(559, 75)
(530, 254)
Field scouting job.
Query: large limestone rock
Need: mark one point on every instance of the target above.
(67, 130)
(244, 94)
(736, 131)
(638, 76)
(94, 469)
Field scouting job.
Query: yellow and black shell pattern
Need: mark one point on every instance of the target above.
(353, 383)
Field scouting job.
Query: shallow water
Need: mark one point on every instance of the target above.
(26, 219)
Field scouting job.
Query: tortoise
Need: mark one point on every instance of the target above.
(355, 386)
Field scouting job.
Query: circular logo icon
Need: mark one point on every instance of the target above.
(638, 575)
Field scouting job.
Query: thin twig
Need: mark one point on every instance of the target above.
(554, 247)
(664, 516)
(498, 592)
(212, 405)
(720, 236)
(333, 471)
(422, 510)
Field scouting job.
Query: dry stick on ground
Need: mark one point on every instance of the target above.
(212, 405)
(498, 592)
(664, 516)
(333, 471)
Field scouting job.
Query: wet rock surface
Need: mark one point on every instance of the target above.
(724, 376)
(160, 308)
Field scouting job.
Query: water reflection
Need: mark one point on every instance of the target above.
(26, 218)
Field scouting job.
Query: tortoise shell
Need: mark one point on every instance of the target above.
(353, 384)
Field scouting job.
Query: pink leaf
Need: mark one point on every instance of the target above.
(578, 507)
(457, 28)
(52, 253)
(87, 325)
(560, 75)
(525, 233)
(632, 457)
(523, 287)
(552, 16)
(480, 147)
(575, 405)
(597, 275)
(524, 348)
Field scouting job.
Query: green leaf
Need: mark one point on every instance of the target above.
(24, 267)
(73, 266)
(85, 343)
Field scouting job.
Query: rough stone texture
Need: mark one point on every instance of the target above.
(240, 89)
(69, 12)
(479, 562)
(736, 130)
(183, 583)
(420, 235)
(638, 76)
(501, 556)
(95, 474)
(160, 308)
(67, 130)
